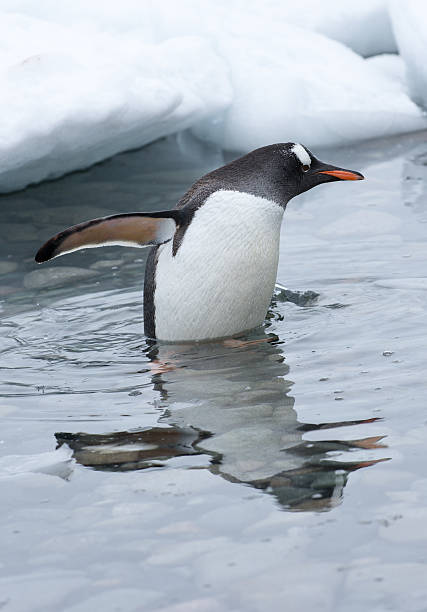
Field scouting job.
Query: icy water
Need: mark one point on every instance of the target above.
(287, 472)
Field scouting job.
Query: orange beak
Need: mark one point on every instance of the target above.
(344, 175)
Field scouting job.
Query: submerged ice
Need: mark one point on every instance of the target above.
(82, 82)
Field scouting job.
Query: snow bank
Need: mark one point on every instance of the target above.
(82, 81)
(305, 87)
(410, 26)
(59, 462)
(74, 96)
(364, 26)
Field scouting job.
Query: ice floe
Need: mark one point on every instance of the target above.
(307, 88)
(364, 26)
(83, 81)
(72, 96)
(410, 27)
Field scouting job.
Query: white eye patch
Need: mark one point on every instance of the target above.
(302, 154)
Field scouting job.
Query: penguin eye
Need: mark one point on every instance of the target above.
(305, 168)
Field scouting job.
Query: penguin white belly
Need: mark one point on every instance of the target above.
(221, 280)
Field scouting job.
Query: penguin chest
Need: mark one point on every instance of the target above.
(221, 279)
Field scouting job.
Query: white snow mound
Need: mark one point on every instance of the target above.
(74, 96)
(410, 27)
(304, 87)
(81, 81)
(364, 26)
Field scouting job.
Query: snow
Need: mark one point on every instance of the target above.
(74, 96)
(83, 81)
(364, 26)
(390, 65)
(304, 87)
(410, 27)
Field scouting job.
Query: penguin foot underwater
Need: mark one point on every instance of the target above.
(213, 263)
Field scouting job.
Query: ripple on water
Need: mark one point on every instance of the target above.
(166, 467)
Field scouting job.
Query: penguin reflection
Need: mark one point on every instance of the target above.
(231, 401)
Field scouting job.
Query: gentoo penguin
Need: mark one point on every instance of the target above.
(212, 269)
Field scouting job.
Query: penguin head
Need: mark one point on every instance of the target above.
(278, 172)
(302, 170)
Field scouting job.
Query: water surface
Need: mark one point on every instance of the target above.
(283, 470)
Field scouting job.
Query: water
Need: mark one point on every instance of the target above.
(284, 471)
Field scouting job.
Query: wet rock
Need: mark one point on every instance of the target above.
(300, 298)
(53, 277)
(7, 266)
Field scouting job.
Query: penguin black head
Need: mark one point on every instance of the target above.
(280, 172)
(305, 171)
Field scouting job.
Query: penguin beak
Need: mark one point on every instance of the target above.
(339, 174)
(321, 172)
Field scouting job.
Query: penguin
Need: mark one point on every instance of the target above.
(213, 262)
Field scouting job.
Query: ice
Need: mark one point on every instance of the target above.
(83, 81)
(391, 65)
(410, 27)
(72, 96)
(364, 26)
(304, 87)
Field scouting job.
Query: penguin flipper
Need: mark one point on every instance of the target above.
(129, 229)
